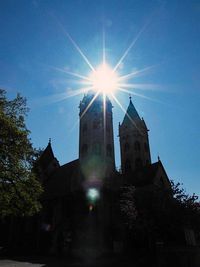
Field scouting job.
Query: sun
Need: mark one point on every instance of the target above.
(104, 79)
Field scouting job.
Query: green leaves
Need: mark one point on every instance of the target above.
(19, 187)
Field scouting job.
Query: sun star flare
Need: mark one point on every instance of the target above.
(104, 79)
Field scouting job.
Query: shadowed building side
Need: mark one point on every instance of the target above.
(96, 143)
(134, 141)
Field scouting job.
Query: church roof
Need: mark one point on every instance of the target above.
(60, 182)
(148, 175)
(131, 114)
(46, 157)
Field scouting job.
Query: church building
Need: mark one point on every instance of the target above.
(81, 200)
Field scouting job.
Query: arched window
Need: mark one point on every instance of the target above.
(127, 166)
(146, 148)
(96, 124)
(107, 128)
(97, 148)
(84, 128)
(137, 146)
(162, 181)
(109, 150)
(84, 149)
(126, 147)
(138, 163)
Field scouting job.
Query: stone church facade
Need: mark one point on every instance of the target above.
(81, 200)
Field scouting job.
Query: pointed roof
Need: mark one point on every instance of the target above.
(149, 175)
(131, 114)
(47, 156)
(61, 181)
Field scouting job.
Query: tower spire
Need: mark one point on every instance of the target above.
(134, 142)
(131, 113)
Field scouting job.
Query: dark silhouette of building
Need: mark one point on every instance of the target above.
(81, 201)
(89, 207)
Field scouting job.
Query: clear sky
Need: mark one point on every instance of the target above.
(34, 45)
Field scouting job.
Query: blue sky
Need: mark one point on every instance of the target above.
(33, 42)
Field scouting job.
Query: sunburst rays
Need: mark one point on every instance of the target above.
(123, 83)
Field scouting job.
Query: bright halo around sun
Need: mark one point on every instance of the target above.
(104, 79)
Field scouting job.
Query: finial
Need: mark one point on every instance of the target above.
(49, 141)
(158, 158)
(130, 97)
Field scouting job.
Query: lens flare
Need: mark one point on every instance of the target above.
(104, 79)
(92, 194)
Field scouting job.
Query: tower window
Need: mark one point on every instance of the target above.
(97, 148)
(146, 148)
(138, 163)
(162, 181)
(137, 146)
(84, 128)
(96, 124)
(84, 149)
(126, 147)
(127, 165)
(109, 150)
(107, 128)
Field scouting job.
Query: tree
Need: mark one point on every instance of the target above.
(128, 206)
(187, 206)
(159, 213)
(19, 187)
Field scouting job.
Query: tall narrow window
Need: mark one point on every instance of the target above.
(96, 124)
(126, 147)
(109, 150)
(137, 146)
(127, 165)
(84, 149)
(146, 148)
(162, 181)
(138, 163)
(84, 128)
(97, 148)
(107, 128)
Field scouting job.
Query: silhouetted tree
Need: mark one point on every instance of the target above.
(153, 214)
(19, 187)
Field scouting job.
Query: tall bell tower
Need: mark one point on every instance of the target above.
(96, 144)
(134, 141)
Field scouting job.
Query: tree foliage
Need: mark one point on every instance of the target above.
(159, 213)
(20, 190)
(187, 206)
(128, 206)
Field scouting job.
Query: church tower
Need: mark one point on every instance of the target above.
(134, 141)
(96, 144)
